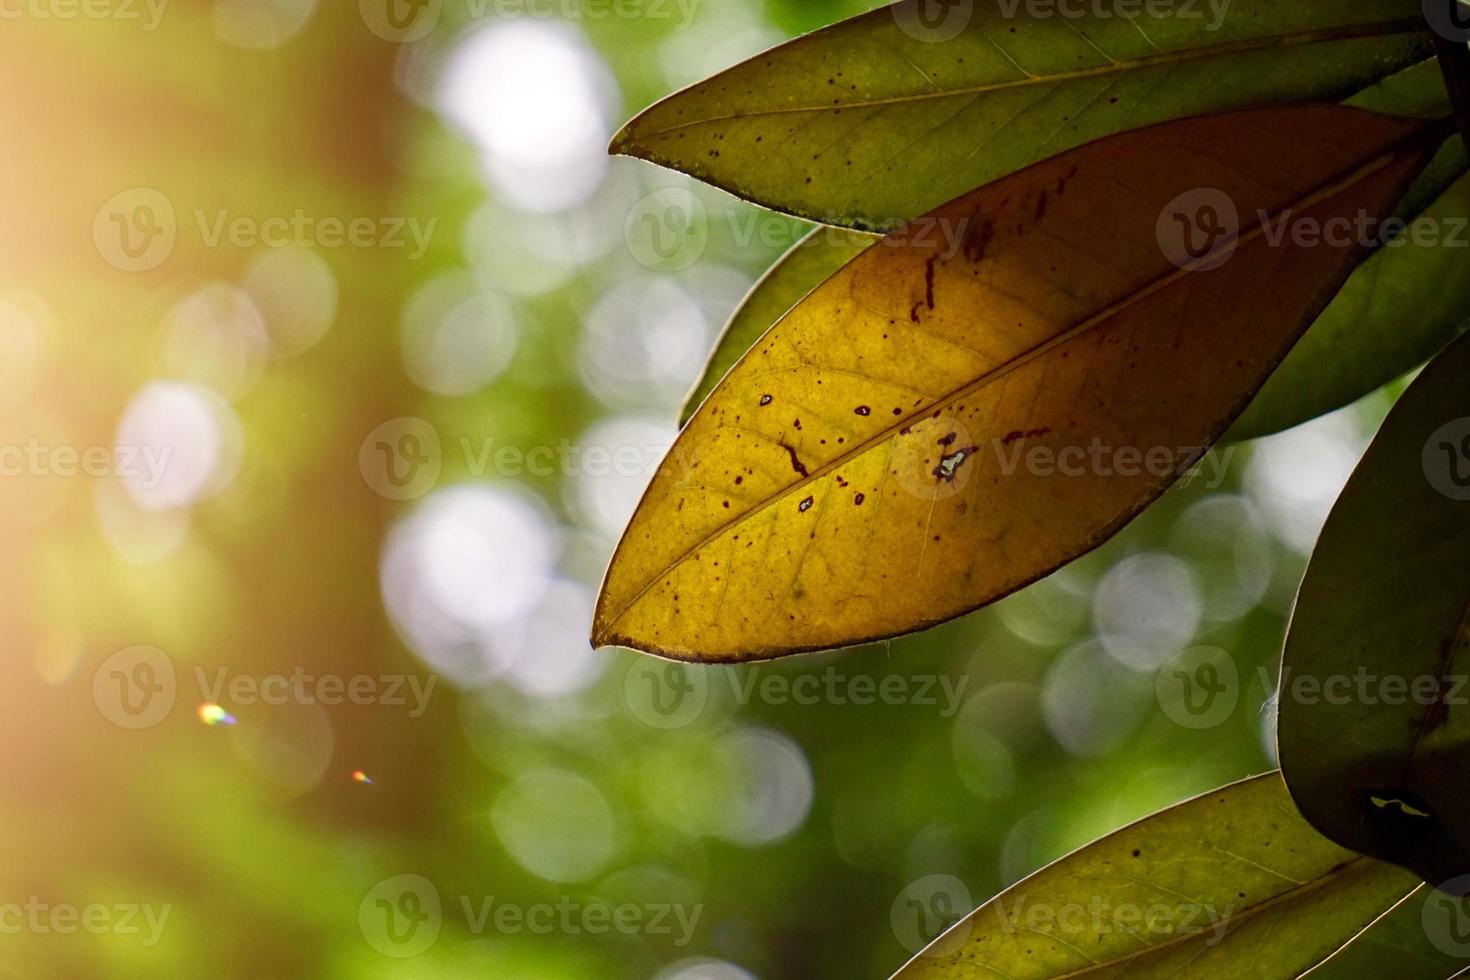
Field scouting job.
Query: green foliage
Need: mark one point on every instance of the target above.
(875, 123)
(1232, 884)
(1372, 724)
(886, 116)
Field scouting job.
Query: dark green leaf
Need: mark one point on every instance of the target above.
(1373, 723)
(1403, 304)
(884, 117)
(1413, 942)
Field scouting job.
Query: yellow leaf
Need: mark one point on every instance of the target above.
(935, 427)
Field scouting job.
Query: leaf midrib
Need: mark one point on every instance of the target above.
(1410, 25)
(1336, 185)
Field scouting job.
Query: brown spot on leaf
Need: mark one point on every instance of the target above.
(977, 240)
(1011, 437)
(796, 463)
(949, 465)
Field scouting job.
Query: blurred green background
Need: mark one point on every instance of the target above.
(393, 462)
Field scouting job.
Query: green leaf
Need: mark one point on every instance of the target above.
(1373, 726)
(1400, 944)
(808, 263)
(880, 118)
(1231, 884)
(1403, 304)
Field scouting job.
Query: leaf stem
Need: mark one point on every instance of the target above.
(1454, 62)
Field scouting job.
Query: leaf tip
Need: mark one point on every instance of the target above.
(603, 636)
(600, 637)
(621, 144)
